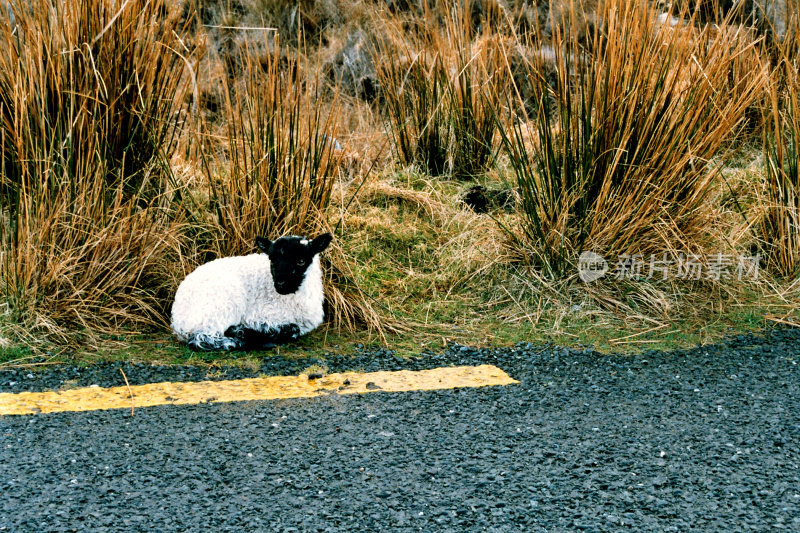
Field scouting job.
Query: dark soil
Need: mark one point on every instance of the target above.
(704, 439)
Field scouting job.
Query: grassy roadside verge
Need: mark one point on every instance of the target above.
(92, 254)
(421, 267)
(606, 335)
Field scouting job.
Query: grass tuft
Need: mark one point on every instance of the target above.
(780, 225)
(624, 160)
(89, 116)
(277, 167)
(439, 84)
(275, 172)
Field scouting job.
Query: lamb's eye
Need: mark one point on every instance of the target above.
(301, 262)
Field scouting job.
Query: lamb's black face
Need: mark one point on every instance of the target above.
(290, 258)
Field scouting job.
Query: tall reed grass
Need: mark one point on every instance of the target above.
(90, 95)
(439, 83)
(273, 170)
(780, 224)
(279, 163)
(623, 160)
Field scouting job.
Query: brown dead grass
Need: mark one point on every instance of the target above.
(102, 252)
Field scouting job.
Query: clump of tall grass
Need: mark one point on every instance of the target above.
(780, 224)
(275, 170)
(279, 162)
(439, 83)
(622, 161)
(89, 101)
(412, 81)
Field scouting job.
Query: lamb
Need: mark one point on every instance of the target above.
(255, 301)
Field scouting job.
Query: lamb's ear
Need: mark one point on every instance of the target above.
(320, 243)
(263, 244)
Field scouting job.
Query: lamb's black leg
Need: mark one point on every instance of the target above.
(286, 333)
(254, 339)
(246, 338)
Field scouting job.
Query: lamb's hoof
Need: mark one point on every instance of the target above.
(199, 346)
(290, 331)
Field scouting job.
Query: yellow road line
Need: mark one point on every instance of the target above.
(266, 388)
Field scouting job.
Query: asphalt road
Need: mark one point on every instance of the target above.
(695, 440)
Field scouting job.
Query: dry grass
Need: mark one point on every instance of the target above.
(276, 162)
(89, 109)
(615, 140)
(780, 222)
(277, 168)
(626, 161)
(440, 84)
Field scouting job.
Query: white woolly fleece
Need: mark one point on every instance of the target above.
(239, 291)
